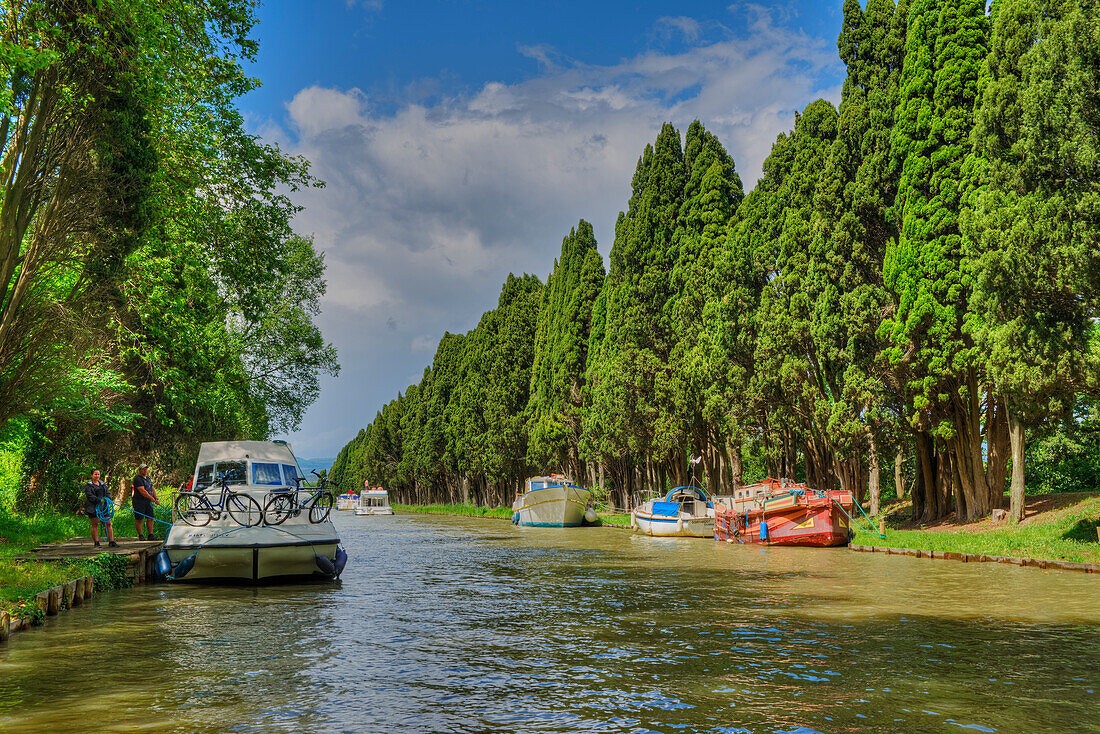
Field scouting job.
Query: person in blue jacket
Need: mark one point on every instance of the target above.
(95, 493)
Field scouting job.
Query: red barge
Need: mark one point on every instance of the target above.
(777, 512)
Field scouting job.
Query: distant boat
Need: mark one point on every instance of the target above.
(685, 512)
(778, 512)
(553, 502)
(374, 502)
(348, 501)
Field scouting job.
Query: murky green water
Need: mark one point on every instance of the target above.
(463, 625)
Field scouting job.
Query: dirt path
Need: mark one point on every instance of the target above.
(1048, 507)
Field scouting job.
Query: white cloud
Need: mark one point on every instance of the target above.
(427, 208)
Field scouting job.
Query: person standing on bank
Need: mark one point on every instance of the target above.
(96, 492)
(142, 501)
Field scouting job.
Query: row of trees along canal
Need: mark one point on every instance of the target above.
(152, 292)
(913, 281)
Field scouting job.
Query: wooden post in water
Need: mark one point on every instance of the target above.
(5, 624)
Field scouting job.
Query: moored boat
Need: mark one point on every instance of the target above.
(347, 501)
(247, 520)
(374, 502)
(552, 501)
(776, 512)
(685, 512)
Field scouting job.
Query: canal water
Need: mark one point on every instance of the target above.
(445, 624)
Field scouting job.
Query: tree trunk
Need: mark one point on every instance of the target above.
(737, 469)
(899, 479)
(872, 460)
(1016, 497)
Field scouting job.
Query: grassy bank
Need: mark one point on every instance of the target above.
(466, 509)
(1066, 533)
(615, 519)
(21, 580)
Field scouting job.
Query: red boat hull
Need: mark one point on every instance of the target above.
(806, 518)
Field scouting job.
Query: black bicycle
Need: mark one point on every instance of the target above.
(318, 502)
(196, 509)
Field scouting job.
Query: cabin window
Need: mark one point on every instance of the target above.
(205, 477)
(290, 474)
(232, 472)
(266, 474)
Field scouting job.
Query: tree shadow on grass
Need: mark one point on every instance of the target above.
(1083, 531)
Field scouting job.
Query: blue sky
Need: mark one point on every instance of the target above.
(460, 141)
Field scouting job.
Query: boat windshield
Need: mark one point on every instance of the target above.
(290, 474)
(266, 474)
(680, 493)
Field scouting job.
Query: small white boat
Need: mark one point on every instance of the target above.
(347, 501)
(685, 512)
(246, 521)
(552, 502)
(374, 502)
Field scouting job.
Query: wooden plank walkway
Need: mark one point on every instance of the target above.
(82, 547)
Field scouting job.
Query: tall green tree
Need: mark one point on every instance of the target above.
(926, 271)
(712, 193)
(1034, 221)
(561, 352)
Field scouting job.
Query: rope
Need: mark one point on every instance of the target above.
(856, 522)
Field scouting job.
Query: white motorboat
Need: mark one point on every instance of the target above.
(684, 512)
(554, 502)
(374, 502)
(249, 519)
(348, 501)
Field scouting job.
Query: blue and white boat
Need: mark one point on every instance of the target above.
(552, 502)
(685, 512)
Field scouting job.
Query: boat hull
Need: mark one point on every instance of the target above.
(374, 511)
(673, 527)
(817, 521)
(551, 507)
(253, 555)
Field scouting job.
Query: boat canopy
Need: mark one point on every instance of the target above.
(687, 491)
(277, 451)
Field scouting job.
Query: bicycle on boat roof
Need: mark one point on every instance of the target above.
(197, 509)
(283, 505)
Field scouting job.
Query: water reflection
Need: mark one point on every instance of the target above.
(456, 625)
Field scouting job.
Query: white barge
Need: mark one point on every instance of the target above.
(249, 520)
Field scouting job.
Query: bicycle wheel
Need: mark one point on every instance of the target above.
(244, 510)
(320, 508)
(193, 509)
(278, 508)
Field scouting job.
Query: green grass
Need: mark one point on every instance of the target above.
(466, 509)
(615, 519)
(1066, 534)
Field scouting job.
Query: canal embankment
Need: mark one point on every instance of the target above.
(48, 564)
(1056, 529)
(610, 519)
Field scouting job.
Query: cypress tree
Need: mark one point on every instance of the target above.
(561, 352)
(1032, 230)
(637, 344)
(712, 194)
(925, 271)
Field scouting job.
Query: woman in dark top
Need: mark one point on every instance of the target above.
(95, 492)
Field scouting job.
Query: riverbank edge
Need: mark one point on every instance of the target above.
(65, 596)
(979, 558)
(421, 510)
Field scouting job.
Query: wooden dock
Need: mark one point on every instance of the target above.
(82, 547)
